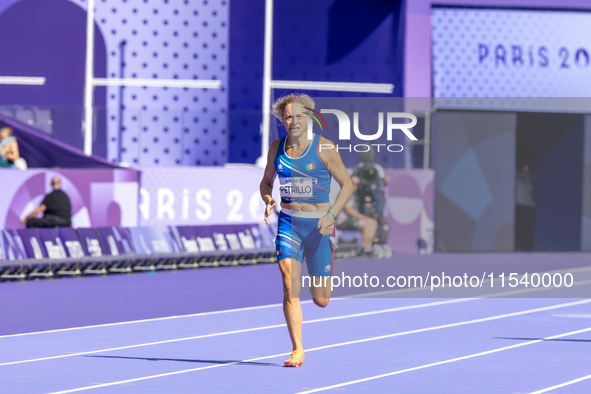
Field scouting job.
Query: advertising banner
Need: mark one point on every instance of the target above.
(186, 209)
(200, 195)
(98, 197)
(498, 55)
(11, 246)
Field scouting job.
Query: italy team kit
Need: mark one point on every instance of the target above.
(303, 180)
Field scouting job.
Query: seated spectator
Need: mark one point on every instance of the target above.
(351, 219)
(8, 148)
(56, 208)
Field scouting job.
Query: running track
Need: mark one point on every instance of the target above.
(356, 345)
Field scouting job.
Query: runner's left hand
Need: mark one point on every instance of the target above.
(326, 224)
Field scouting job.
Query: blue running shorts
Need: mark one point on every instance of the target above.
(299, 238)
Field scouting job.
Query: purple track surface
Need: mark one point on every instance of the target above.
(232, 338)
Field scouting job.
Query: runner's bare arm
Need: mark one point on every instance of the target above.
(337, 169)
(266, 187)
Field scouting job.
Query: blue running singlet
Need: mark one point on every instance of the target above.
(303, 180)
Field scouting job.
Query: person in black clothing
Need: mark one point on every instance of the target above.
(56, 208)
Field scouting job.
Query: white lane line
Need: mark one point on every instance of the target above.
(403, 308)
(574, 316)
(546, 390)
(250, 308)
(398, 334)
(497, 350)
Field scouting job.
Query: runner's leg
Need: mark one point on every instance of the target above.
(320, 290)
(290, 273)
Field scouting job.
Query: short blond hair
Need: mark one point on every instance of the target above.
(9, 129)
(280, 104)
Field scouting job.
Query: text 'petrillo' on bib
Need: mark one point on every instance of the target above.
(296, 188)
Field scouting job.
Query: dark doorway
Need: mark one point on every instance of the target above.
(549, 161)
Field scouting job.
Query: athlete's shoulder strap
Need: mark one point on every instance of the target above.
(316, 146)
(280, 147)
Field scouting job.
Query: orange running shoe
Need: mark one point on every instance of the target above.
(296, 359)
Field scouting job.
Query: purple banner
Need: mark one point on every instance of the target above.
(60, 243)
(185, 237)
(11, 245)
(72, 242)
(32, 244)
(251, 236)
(204, 238)
(188, 210)
(194, 196)
(152, 240)
(98, 197)
(116, 241)
(51, 243)
(91, 243)
(63, 243)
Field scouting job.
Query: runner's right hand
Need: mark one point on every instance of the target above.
(269, 209)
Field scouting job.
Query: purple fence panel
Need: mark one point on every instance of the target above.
(70, 239)
(51, 243)
(226, 238)
(183, 238)
(151, 240)
(188, 239)
(204, 238)
(246, 236)
(267, 234)
(12, 246)
(115, 240)
(140, 239)
(3, 247)
(32, 244)
(91, 243)
(123, 235)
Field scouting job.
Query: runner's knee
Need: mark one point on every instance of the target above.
(321, 302)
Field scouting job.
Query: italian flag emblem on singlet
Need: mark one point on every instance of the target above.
(310, 166)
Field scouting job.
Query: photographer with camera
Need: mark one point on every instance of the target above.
(365, 210)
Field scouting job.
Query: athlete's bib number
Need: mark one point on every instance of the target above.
(296, 188)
